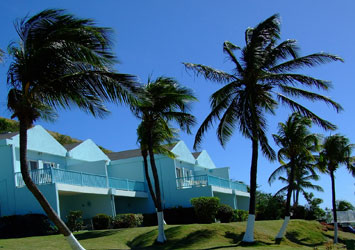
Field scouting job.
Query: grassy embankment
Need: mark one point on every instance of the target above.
(300, 235)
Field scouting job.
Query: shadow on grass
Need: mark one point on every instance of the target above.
(294, 237)
(350, 244)
(94, 234)
(145, 239)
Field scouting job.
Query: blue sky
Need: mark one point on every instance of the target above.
(153, 38)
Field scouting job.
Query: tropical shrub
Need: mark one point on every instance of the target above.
(180, 215)
(127, 220)
(75, 220)
(101, 221)
(17, 226)
(240, 215)
(205, 208)
(225, 213)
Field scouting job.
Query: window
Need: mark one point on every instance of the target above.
(178, 173)
(32, 165)
(47, 165)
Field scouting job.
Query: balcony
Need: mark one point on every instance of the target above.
(209, 180)
(56, 175)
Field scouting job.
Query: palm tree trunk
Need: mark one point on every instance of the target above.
(291, 178)
(150, 186)
(63, 229)
(249, 232)
(297, 196)
(161, 235)
(334, 208)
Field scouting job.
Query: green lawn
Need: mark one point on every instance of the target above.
(300, 234)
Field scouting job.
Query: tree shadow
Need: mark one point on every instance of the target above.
(294, 237)
(144, 239)
(349, 243)
(95, 234)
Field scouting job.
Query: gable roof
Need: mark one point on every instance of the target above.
(71, 145)
(124, 154)
(196, 154)
(8, 135)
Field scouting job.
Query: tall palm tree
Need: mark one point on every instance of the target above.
(296, 146)
(336, 151)
(159, 103)
(261, 79)
(60, 61)
(1, 55)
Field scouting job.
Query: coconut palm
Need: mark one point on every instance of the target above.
(159, 103)
(336, 151)
(1, 56)
(60, 61)
(296, 146)
(261, 79)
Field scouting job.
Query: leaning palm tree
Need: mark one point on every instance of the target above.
(261, 79)
(336, 151)
(296, 146)
(159, 103)
(60, 61)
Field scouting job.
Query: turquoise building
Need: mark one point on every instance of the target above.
(81, 177)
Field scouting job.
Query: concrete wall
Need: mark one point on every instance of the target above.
(93, 167)
(183, 153)
(88, 151)
(219, 172)
(133, 205)
(131, 168)
(205, 160)
(228, 199)
(90, 204)
(242, 202)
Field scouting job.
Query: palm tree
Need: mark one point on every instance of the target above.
(159, 103)
(296, 146)
(336, 151)
(1, 56)
(60, 61)
(261, 79)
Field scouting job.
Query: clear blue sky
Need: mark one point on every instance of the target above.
(155, 37)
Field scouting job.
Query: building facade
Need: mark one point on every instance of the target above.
(81, 177)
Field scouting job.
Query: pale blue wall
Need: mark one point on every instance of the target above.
(243, 202)
(88, 151)
(92, 167)
(90, 204)
(228, 199)
(131, 168)
(183, 153)
(133, 205)
(219, 172)
(205, 160)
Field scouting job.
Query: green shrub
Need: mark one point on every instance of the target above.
(101, 221)
(75, 220)
(17, 226)
(240, 215)
(205, 208)
(150, 220)
(225, 213)
(127, 220)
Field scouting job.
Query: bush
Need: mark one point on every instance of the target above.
(17, 226)
(205, 208)
(75, 220)
(225, 213)
(180, 215)
(240, 215)
(101, 221)
(127, 220)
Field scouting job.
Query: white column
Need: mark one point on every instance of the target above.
(249, 232)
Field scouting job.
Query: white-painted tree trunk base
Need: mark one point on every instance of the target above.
(335, 232)
(249, 232)
(161, 235)
(74, 243)
(282, 231)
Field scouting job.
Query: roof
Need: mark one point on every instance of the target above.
(196, 154)
(71, 145)
(124, 154)
(132, 153)
(8, 135)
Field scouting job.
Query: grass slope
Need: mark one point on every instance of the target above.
(300, 235)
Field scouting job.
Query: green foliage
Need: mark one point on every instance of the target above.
(343, 205)
(127, 220)
(240, 215)
(269, 207)
(101, 221)
(150, 220)
(16, 226)
(180, 215)
(7, 125)
(205, 208)
(75, 220)
(225, 213)
(313, 209)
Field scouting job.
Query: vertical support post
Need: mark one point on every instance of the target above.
(81, 178)
(127, 184)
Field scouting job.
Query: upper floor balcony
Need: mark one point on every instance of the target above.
(209, 180)
(56, 175)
